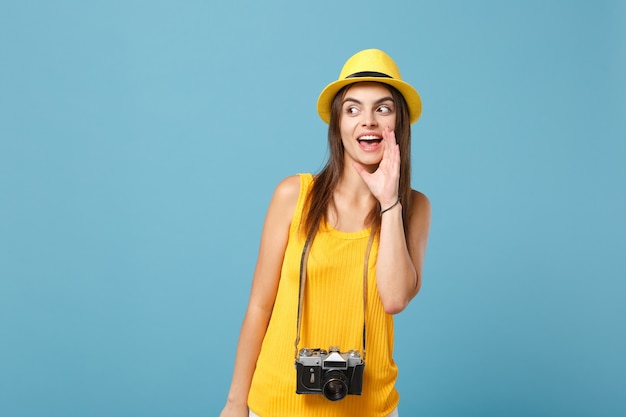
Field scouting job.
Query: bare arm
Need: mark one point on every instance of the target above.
(263, 294)
(399, 262)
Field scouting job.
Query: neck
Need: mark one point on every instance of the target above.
(352, 187)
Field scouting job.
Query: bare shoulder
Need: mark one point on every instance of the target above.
(420, 212)
(285, 197)
(419, 229)
(288, 188)
(420, 201)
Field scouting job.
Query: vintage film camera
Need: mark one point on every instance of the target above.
(334, 374)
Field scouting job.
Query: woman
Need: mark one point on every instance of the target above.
(340, 253)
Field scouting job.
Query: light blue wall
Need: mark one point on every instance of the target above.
(140, 142)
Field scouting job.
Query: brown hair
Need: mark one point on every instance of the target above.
(321, 197)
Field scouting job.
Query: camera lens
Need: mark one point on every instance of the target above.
(335, 385)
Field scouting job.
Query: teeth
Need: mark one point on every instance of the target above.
(369, 137)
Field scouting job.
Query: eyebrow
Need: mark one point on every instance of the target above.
(379, 101)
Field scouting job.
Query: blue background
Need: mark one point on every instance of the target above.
(140, 142)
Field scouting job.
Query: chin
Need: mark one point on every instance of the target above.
(369, 165)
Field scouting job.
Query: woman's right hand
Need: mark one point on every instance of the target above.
(232, 410)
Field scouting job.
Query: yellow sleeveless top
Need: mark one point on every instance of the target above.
(332, 316)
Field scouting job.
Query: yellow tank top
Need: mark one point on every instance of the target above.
(333, 316)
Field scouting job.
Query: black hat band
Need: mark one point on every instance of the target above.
(368, 74)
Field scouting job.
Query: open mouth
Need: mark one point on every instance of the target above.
(369, 139)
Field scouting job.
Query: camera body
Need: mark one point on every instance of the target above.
(332, 373)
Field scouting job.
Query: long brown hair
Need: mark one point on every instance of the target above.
(321, 197)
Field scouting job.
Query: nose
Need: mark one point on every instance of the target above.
(369, 119)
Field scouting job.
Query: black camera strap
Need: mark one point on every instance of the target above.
(303, 264)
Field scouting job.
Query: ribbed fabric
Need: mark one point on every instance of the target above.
(333, 316)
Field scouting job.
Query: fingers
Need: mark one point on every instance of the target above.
(389, 134)
(391, 149)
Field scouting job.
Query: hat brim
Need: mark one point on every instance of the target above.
(412, 97)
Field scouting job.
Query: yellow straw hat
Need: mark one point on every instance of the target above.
(370, 65)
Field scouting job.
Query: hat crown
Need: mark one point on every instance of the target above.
(370, 61)
(370, 65)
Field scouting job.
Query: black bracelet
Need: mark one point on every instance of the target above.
(392, 206)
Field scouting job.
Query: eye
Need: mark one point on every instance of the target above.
(385, 109)
(352, 110)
